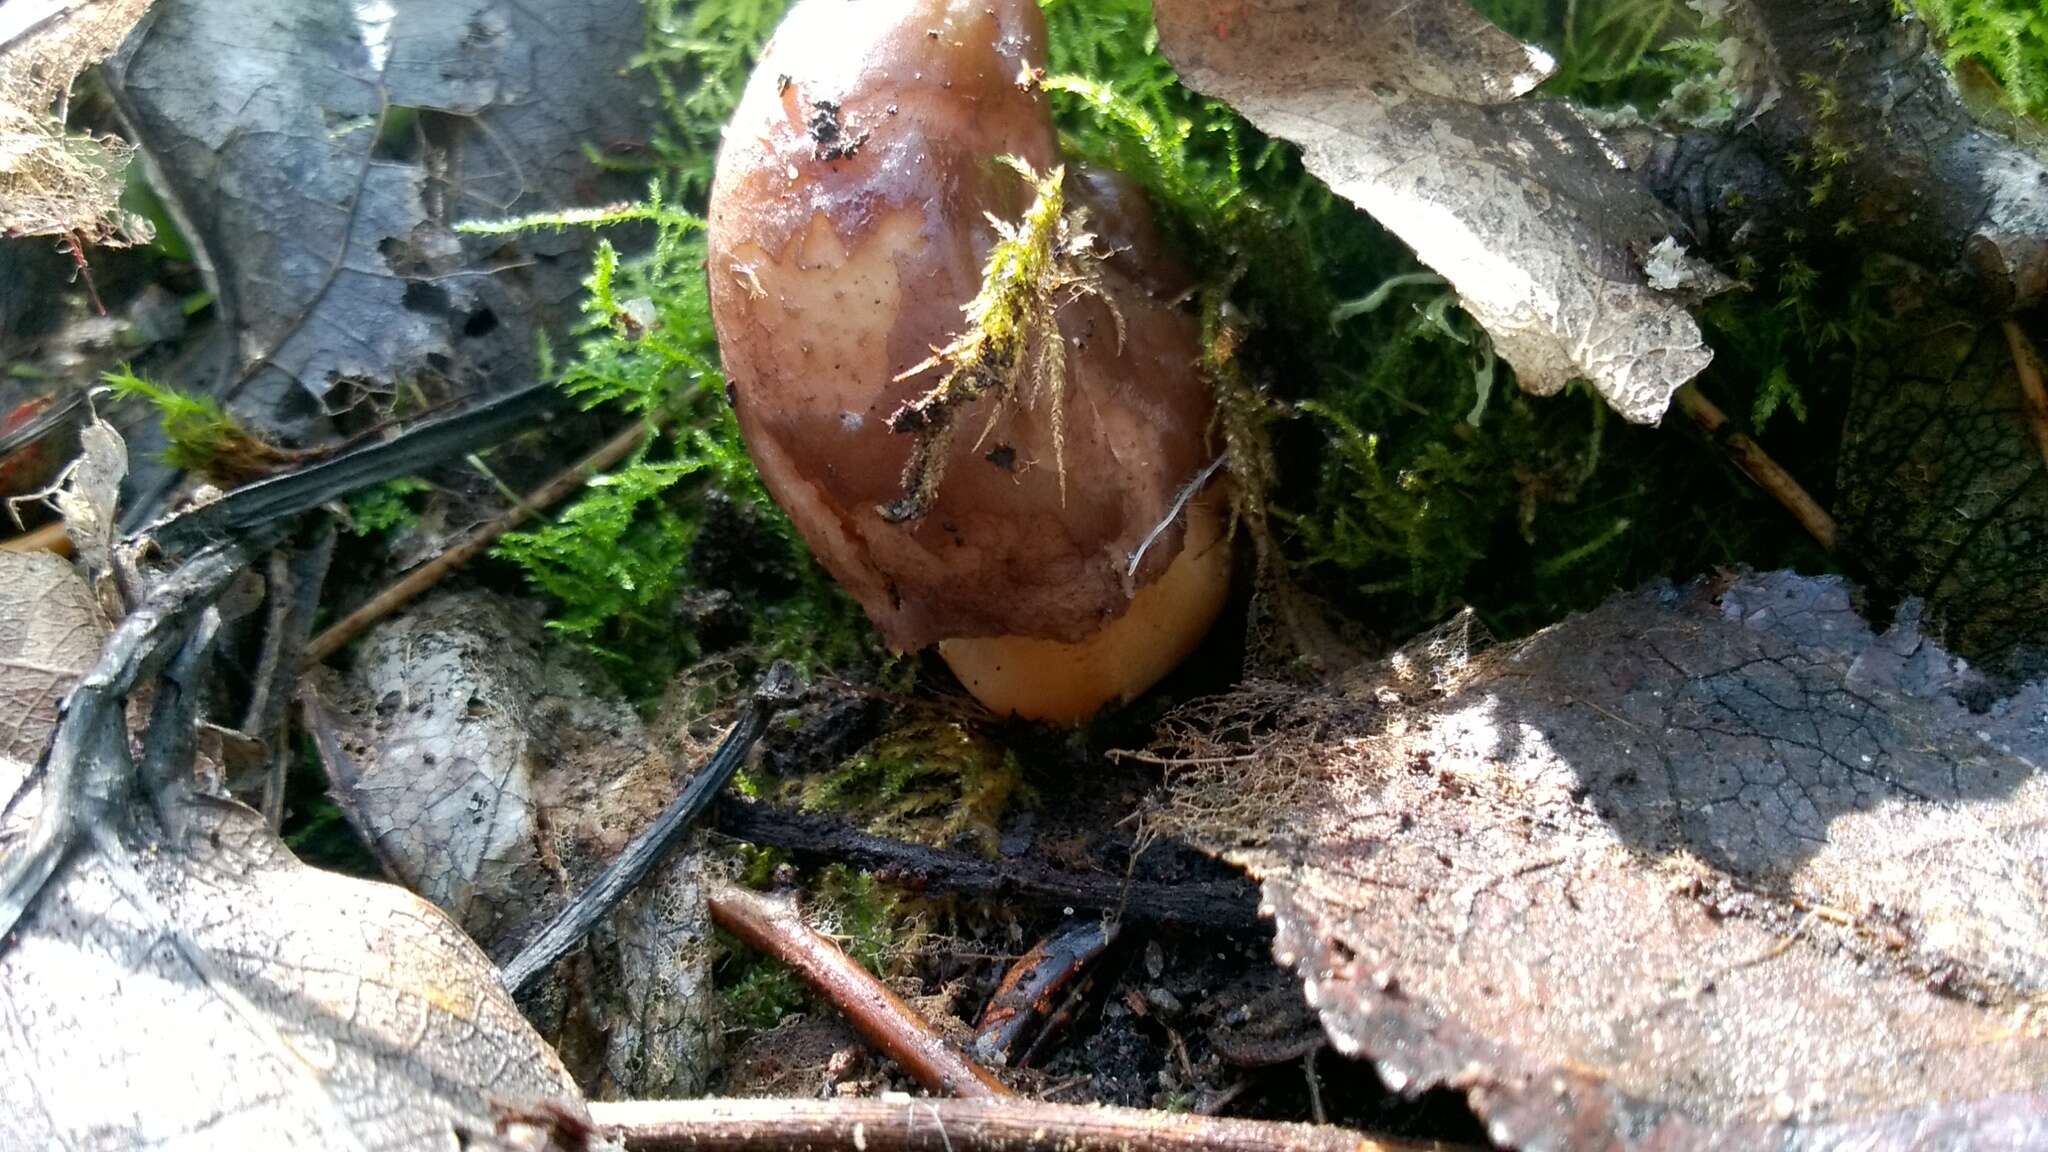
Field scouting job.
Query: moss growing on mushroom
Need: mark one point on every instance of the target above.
(1011, 347)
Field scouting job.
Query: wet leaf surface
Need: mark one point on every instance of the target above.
(1411, 112)
(184, 982)
(1701, 866)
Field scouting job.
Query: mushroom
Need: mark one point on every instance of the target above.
(966, 374)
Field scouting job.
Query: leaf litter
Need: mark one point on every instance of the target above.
(182, 980)
(490, 774)
(1710, 865)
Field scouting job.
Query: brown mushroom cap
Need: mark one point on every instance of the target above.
(848, 226)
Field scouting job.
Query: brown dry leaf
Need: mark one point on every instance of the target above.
(50, 632)
(492, 778)
(1702, 867)
(1410, 111)
(51, 182)
(195, 986)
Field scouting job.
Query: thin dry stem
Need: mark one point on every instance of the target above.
(898, 1125)
(773, 925)
(410, 586)
(1757, 464)
(2027, 362)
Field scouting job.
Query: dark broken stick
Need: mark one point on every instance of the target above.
(267, 502)
(772, 924)
(1225, 905)
(903, 1125)
(651, 846)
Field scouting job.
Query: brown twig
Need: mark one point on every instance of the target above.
(767, 1125)
(410, 586)
(1221, 905)
(2032, 390)
(49, 538)
(773, 925)
(1755, 463)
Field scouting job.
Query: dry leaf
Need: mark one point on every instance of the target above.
(323, 152)
(1409, 110)
(210, 991)
(1702, 867)
(197, 987)
(493, 779)
(90, 489)
(50, 632)
(51, 182)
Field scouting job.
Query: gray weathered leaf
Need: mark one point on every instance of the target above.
(194, 986)
(491, 777)
(1942, 481)
(89, 493)
(1409, 110)
(324, 148)
(209, 991)
(1700, 868)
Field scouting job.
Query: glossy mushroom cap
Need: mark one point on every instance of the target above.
(849, 224)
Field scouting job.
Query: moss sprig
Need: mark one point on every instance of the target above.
(1011, 348)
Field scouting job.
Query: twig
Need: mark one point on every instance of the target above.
(50, 537)
(2035, 394)
(772, 925)
(294, 599)
(768, 1125)
(651, 846)
(1755, 463)
(1228, 905)
(280, 497)
(1023, 1000)
(411, 585)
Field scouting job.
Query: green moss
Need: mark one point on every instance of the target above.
(933, 781)
(2001, 45)
(386, 508)
(203, 436)
(700, 53)
(616, 561)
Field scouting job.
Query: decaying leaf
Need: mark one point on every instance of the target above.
(1410, 111)
(1702, 867)
(91, 487)
(323, 152)
(491, 778)
(1942, 484)
(50, 631)
(53, 182)
(210, 991)
(190, 984)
